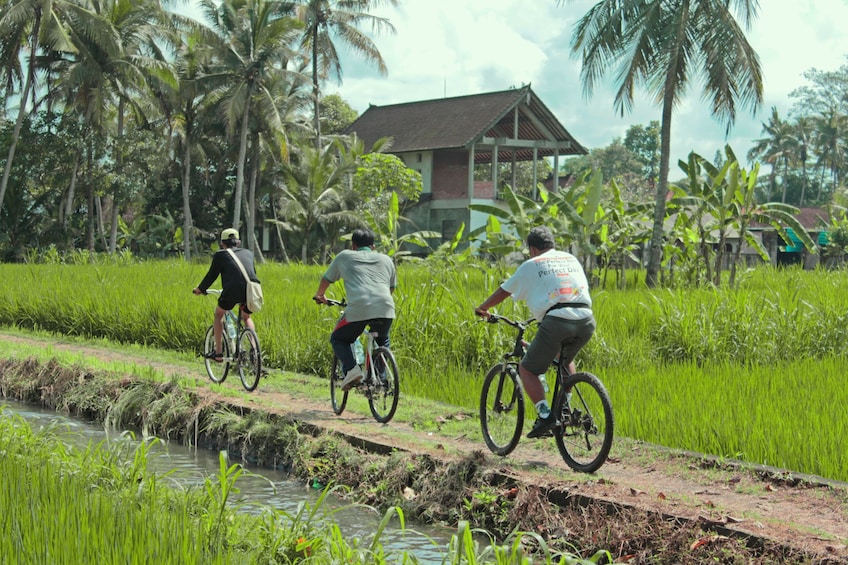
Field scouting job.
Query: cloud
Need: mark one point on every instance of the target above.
(460, 47)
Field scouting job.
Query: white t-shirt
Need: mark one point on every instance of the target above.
(548, 279)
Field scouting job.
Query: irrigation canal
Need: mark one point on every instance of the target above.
(261, 486)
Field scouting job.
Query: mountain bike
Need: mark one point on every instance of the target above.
(240, 348)
(584, 429)
(380, 383)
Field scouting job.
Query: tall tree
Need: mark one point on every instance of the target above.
(311, 197)
(773, 148)
(662, 44)
(325, 19)
(256, 40)
(22, 25)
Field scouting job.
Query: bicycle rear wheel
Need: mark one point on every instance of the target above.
(384, 394)
(217, 371)
(585, 437)
(502, 408)
(338, 397)
(249, 359)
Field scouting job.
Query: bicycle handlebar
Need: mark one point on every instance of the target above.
(495, 318)
(331, 302)
(213, 291)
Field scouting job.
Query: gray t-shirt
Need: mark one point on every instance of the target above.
(369, 278)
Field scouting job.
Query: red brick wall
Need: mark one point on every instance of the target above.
(450, 174)
(484, 189)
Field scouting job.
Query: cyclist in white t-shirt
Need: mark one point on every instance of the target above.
(556, 291)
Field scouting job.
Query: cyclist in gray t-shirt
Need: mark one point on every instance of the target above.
(369, 279)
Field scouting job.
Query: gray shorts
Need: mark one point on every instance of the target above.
(555, 334)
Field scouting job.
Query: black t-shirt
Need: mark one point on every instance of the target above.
(224, 265)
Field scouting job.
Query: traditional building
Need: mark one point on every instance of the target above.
(444, 139)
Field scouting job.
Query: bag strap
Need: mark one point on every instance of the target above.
(240, 265)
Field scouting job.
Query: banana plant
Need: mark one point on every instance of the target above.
(506, 228)
(396, 245)
(728, 196)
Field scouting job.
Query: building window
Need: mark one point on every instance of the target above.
(419, 157)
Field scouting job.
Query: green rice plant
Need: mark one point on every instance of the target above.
(101, 504)
(771, 319)
(787, 415)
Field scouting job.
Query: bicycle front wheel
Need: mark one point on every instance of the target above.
(585, 437)
(217, 371)
(383, 394)
(249, 359)
(338, 397)
(502, 408)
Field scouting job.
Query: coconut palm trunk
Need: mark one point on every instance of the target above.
(16, 134)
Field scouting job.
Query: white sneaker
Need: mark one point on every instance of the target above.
(353, 377)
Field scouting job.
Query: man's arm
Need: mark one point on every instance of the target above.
(496, 298)
(211, 276)
(322, 288)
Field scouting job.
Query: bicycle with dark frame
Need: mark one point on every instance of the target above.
(581, 403)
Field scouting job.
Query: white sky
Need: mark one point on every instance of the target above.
(459, 47)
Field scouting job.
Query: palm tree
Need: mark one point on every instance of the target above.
(255, 37)
(22, 24)
(802, 137)
(831, 132)
(662, 44)
(772, 148)
(106, 82)
(311, 197)
(324, 19)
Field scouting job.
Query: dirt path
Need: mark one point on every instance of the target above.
(802, 513)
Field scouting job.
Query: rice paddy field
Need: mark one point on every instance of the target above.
(753, 372)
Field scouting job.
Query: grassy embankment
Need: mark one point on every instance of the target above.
(752, 373)
(65, 505)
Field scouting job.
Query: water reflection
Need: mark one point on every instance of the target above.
(260, 486)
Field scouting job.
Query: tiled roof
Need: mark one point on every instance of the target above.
(448, 123)
(813, 219)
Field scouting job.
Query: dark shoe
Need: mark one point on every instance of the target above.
(543, 426)
(217, 357)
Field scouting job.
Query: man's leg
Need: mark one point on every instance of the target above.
(218, 328)
(344, 334)
(248, 321)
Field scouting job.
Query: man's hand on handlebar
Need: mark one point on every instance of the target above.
(198, 291)
(320, 299)
(483, 313)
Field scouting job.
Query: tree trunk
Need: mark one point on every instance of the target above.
(116, 192)
(279, 233)
(655, 249)
(245, 122)
(69, 203)
(187, 222)
(315, 90)
(16, 134)
(98, 202)
(250, 216)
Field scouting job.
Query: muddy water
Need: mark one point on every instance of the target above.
(260, 487)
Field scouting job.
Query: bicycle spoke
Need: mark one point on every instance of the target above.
(249, 359)
(502, 409)
(217, 371)
(585, 436)
(338, 398)
(384, 391)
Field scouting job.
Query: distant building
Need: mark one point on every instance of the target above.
(444, 139)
